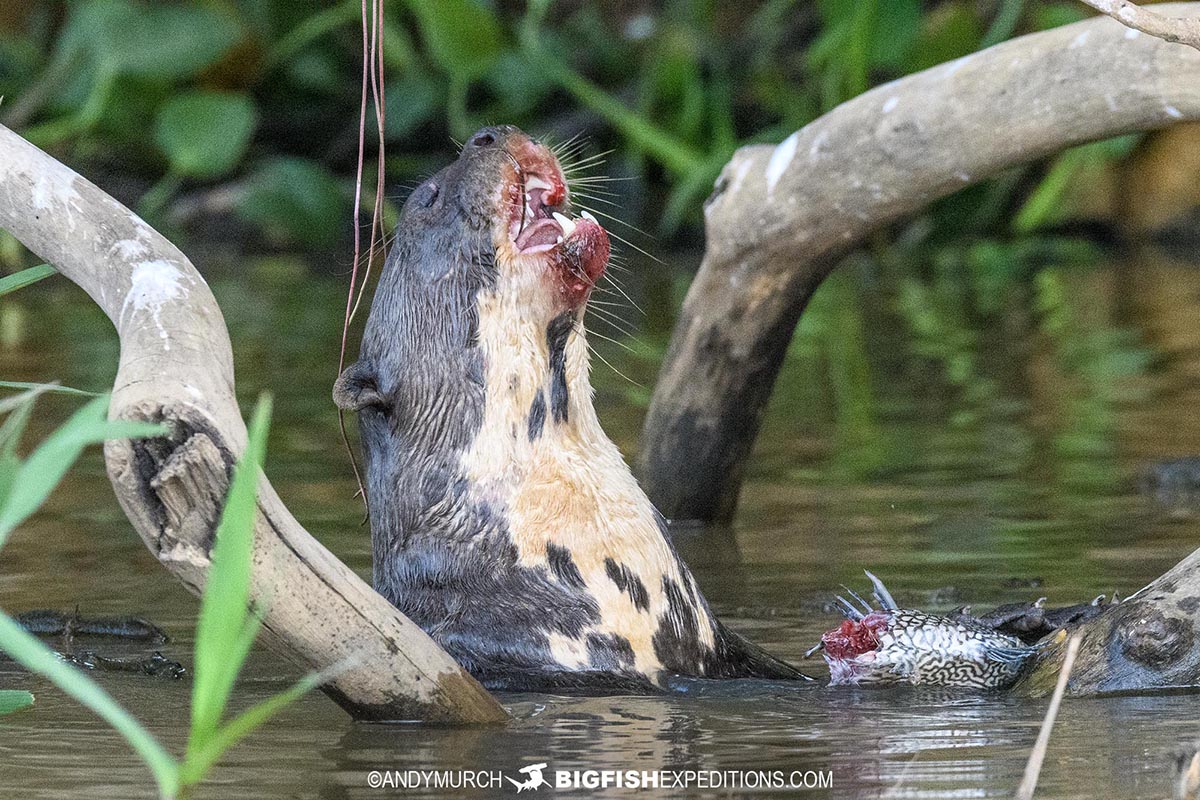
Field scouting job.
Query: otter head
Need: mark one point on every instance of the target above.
(494, 229)
(505, 205)
(473, 349)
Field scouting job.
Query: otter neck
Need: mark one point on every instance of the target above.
(538, 397)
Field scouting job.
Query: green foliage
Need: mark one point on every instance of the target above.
(158, 41)
(19, 280)
(45, 387)
(295, 201)
(24, 486)
(14, 700)
(108, 45)
(462, 36)
(205, 134)
(226, 628)
(672, 88)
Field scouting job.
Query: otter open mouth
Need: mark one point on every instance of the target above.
(540, 222)
(542, 225)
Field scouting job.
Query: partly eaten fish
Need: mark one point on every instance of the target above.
(893, 645)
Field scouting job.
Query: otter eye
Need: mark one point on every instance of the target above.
(426, 194)
(482, 139)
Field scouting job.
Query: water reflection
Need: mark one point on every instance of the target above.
(990, 461)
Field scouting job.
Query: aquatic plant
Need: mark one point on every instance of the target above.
(226, 628)
(19, 280)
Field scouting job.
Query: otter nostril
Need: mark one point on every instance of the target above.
(483, 139)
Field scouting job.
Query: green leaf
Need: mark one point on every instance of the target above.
(14, 700)
(44, 468)
(897, 26)
(52, 388)
(462, 36)
(1053, 15)
(295, 202)
(198, 761)
(948, 32)
(1004, 23)
(10, 437)
(408, 102)
(19, 280)
(205, 134)
(226, 626)
(163, 41)
(35, 656)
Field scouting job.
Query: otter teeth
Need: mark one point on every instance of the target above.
(564, 222)
(534, 182)
(588, 216)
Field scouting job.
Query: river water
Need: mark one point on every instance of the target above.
(976, 455)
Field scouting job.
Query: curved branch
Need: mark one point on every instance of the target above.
(176, 367)
(781, 217)
(1178, 30)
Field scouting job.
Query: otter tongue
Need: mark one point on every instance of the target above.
(541, 233)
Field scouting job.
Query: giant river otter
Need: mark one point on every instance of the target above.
(503, 520)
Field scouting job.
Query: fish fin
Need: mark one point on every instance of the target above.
(881, 592)
(1007, 655)
(848, 608)
(866, 606)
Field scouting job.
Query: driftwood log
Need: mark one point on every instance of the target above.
(1149, 641)
(780, 218)
(176, 367)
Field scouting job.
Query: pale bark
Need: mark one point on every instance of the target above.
(176, 367)
(1179, 30)
(782, 216)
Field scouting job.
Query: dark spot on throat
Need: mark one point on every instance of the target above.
(677, 641)
(537, 416)
(556, 337)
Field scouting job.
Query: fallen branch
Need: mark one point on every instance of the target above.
(1177, 30)
(780, 218)
(1151, 640)
(176, 367)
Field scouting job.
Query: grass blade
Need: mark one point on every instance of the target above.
(18, 400)
(198, 762)
(1033, 769)
(46, 466)
(21, 407)
(47, 387)
(19, 280)
(226, 627)
(14, 700)
(35, 656)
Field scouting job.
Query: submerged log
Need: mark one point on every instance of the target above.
(780, 218)
(1149, 641)
(176, 367)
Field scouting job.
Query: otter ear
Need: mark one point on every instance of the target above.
(356, 389)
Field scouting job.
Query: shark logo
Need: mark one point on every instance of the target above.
(533, 778)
